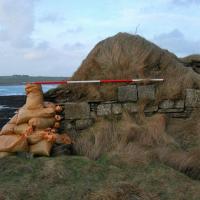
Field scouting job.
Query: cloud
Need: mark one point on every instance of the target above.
(176, 42)
(74, 47)
(74, 30)
(17, 22)
(52, 18)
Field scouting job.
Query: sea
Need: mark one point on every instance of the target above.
(10, 90)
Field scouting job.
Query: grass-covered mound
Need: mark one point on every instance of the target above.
(126, 56)
(80, 178)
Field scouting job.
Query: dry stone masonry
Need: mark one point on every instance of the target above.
(81, 115)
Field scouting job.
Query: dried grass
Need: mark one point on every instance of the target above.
(122, 191)
(125, 140)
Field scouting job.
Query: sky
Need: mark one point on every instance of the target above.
(51, 38)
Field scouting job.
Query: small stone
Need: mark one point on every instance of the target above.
(179, 104)
(146, 92)
(166, 104)
(130, 107)
(150, 109)
(83, 123)
(127, 93)
(104, 109)
(77, 110)
(170, 110)
(192, 98)
(116, 108)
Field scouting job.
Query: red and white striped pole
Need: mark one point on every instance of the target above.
(99, 81)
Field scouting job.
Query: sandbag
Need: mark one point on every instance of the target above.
(57, 125)
(42, 148)
(59, 109)
(5, 154)
(42, 123)
(8, 129)
(22, 129)
(58, 118)
(34, 98)
(13, 143)
(24, 115)
(13, 120)
(35, 137)
(48, 104)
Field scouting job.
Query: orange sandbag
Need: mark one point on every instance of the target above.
(8, 129)
(42, 148)
(36, 137)
(59, 109)
(58, 118)
(34, 98)
(42, 123)
(63, 139)
(24, 115)
(13, 143)
(22, 129)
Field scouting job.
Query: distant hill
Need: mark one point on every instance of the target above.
(21, 79)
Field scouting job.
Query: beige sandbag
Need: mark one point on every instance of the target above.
(57, 125)
(8, 129)
(34, 98)
(24, 115)
(42, 123)
(36, 137)
(22, 129)
(42, 148)
(13, 143)
(13, 120)
(48, 104)
(5, 154)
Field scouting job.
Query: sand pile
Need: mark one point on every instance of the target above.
(125, 56)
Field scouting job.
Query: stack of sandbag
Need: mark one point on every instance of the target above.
(34, 127)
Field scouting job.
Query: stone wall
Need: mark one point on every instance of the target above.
(81, 115)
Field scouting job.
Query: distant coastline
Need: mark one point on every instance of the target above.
(23, 79)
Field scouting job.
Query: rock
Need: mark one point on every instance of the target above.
(130, 107)
(127, 93)
(146, 92)
(179, 104)
(83, 123)
(166, 104)
(104, 109)
(192, 98)
(170, 110)
(61, 149)
(77, 110)
(67, 125)
(116, 108)
(150, 109)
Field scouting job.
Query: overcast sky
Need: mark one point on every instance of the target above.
(48, 37)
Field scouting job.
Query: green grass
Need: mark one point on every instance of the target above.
(73, 177)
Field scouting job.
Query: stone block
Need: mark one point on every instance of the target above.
(150, 109)
(130, 107)
(192, 98)
(116, 108)
(104, 109)
(179, 104)
(170, 110)
(147, 92)
(166, 104)
(127, 93)
(77, 110)
(83, 123)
